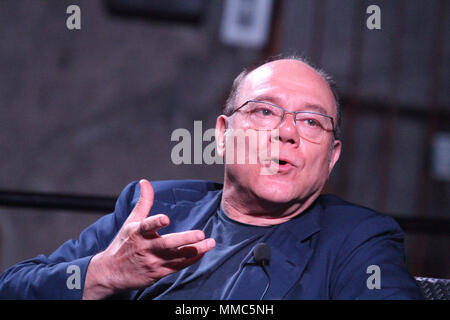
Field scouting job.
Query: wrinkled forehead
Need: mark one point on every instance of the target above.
(289, 82)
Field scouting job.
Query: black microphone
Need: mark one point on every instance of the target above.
(261, 255)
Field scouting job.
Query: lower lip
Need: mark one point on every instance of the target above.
(284, 167)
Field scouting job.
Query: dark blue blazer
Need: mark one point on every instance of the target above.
(324, 253)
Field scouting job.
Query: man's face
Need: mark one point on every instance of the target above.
(296, 87)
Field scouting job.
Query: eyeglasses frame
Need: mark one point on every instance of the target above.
(294, 113)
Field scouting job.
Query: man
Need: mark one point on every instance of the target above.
(196, 240)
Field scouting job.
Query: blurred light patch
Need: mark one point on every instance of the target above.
(246, 23)
(441, 156)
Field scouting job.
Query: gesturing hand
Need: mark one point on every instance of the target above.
(138, 256)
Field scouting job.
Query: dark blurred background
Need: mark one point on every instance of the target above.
(84, 112)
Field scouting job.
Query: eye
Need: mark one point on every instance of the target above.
(311, 122)
(265, 112)
(262, 111)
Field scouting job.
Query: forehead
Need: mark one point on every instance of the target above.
(289, 83)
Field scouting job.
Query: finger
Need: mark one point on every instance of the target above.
(175, 240)
(196, 249)
(150, 225)
(189, 254)
(201, 247)
(145, 202)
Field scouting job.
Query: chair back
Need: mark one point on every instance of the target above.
(434, 289)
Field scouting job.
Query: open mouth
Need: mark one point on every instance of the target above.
(280, 162)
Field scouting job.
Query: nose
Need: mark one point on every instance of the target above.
(287, 131)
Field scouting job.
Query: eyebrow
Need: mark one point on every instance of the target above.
(275, 100)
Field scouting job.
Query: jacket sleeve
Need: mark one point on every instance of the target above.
(61, 275)
(371, 263)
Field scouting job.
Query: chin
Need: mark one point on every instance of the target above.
(275, 191)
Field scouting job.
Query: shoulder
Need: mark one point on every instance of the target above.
(193, 185)
(355, 238)
(340, 212)
(340, 219)
(174, 191)
(168, 195)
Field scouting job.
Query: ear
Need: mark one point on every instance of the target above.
(335, 154)
(221, 127)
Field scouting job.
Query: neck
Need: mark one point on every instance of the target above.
(247, 208)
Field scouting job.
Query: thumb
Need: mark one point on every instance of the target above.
(144, 204)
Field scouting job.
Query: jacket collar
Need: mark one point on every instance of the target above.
(188, 215)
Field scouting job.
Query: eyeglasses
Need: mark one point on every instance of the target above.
(311, 126)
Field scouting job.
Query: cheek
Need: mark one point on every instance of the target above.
(246, 176)
(247, 146)
(314, 160)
